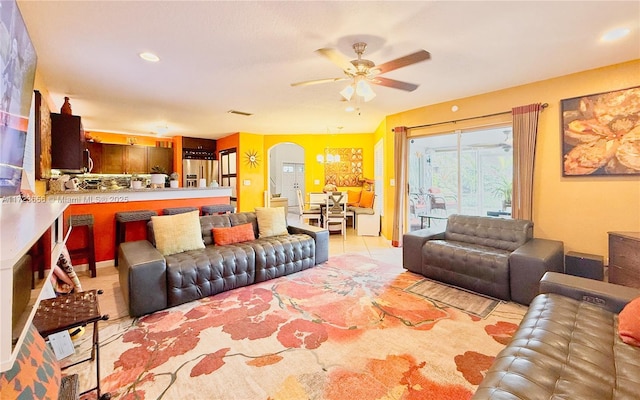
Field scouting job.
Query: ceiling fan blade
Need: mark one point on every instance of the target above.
(392, 83)
(338, 59)
(413, 58)
(316, 81)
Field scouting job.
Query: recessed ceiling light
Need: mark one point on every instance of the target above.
(349, 109)
(615, 34)
(149, 57)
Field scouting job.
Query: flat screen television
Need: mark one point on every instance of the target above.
(17, 75)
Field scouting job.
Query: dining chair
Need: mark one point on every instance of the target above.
(312, 214)
(336, 212)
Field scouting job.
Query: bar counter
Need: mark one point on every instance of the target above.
(104, 204)
(83, 196)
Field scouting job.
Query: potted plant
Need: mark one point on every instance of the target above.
(503, 188)
(174, 178)
(158, 176)
(136, 181)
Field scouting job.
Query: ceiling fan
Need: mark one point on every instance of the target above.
(506, 144)
(362, 71)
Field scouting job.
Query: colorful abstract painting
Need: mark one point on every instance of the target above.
(346, 172)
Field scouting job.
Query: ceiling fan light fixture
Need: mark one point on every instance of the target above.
(347, 92)
(364, 90)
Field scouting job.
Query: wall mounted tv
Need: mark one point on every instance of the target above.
(17, 74)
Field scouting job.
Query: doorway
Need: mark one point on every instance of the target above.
(292, 180)
(287, 172)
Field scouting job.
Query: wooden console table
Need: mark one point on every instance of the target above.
(624, 258)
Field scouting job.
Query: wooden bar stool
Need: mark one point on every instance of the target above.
(121, 226)
(88, 251)
(179, 210)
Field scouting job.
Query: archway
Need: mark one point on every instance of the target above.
(286, 172)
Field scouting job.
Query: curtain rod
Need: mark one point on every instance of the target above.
(545, 105)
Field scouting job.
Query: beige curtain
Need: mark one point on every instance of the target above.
(400, 176)
(525, 130)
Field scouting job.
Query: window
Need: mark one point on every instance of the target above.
(464, 172)
(228, 174)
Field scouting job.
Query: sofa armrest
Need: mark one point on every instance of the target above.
(610, 296)
(412, 243)
(529, 262)
(143, 277)
(319, 235)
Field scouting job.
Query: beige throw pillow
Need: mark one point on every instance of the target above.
(177, 233)
(271, 221)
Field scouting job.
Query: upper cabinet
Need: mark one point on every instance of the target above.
(160, 156)
(128, 159)
(198, 144)
(135, 160)
(112, 160)
(67, 143)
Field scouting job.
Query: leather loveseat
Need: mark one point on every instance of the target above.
(494, 256)
(150, 281)
(567, 346)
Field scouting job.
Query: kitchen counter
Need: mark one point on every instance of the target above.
(84, 196)
(104, 204)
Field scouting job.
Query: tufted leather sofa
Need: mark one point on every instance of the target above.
(567, 346)
(150, 281)
(495, 256)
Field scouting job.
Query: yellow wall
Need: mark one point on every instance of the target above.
(251, 182)
(578, 210)
(315, 144)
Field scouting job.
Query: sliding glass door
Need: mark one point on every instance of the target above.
(463, 172)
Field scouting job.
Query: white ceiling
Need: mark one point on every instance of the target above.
(223, 55)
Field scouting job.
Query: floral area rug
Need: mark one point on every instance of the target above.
(347, 329)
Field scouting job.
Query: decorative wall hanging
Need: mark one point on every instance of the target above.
(42, 131)
(601, 134)
(251, 158)
(347, 171)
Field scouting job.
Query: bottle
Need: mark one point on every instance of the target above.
(66, 107)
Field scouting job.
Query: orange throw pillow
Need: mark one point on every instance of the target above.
(629, 323)
(366, 199)
(353, 197)
(233, 234)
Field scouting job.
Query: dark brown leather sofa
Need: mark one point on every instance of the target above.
(567, 346)
(150, 281)
(494, 256)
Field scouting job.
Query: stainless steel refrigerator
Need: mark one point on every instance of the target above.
(195, 170)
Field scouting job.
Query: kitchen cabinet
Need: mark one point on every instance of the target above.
(624, 258)
(198, 144)
(135, 160)
(128, 159)
(112, 159)
(67, 143)
(161, 156)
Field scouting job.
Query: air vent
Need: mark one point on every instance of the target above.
(246, 114)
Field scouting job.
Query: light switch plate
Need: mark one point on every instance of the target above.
(246, 182)
(392, 182)
(316, 182)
